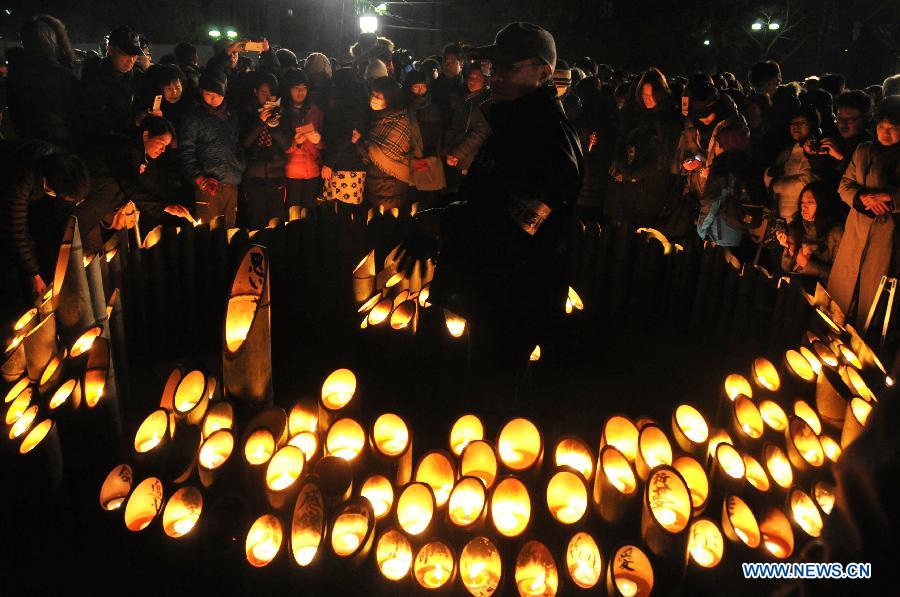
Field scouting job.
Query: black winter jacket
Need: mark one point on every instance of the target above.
(105, 100)
(41, 99)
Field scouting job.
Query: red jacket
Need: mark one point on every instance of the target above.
(303, 161)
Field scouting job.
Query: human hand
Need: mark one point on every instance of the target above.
(265, 43)
(179, 211)
(781, 237)
(205, 183)
(831, 148)
(125, 217)
(420, 165)
(355, 136)
(803, 256)
(38, 286)
(326, 173)
(452, 160)
(691, 164)
(314, 137)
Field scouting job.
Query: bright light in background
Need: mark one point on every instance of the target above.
(368, 24)
(381, 8)
(231, 34)
(705, 42)
(215, 33)
(757, 26)
(774, 26)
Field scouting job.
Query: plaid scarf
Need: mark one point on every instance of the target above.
(391, 135)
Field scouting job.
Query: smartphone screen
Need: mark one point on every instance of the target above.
(157, 103)
(685, 105)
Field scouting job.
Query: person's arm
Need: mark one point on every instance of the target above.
(706, 217)
(800, 179)
(14, 223)
(472, 140)
(853, 182)
(187, 154)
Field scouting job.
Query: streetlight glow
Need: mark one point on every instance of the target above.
(215, 33)
(757, 26)
(774, 26)
(705, 42)
(231, 34)
(368, 24)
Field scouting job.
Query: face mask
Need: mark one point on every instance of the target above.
(377, 104)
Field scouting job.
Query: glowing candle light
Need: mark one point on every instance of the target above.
(705, 543)
(466, 429)
(216, 449)
(415, 508)
(152, 431)
(263, 540)
(519, 444)
(536, 573)
(393, 554)
(284, 468)
(779, 466)
(480, 567)
(632, 572)
(434, 564)
(575, 454)
(338, 389)
(456, 325)
(378, 490)
(566, 497)
(390, 434)
(466, 501)
(510, 507)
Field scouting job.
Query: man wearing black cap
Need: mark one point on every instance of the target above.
(503, 247)
(107, 89)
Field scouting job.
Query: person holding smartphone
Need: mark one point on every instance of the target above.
(304, 121)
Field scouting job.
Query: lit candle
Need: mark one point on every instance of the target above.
(434, 576)
(396, 566)
(775, 546)
(149, 444)
(665, 516)
(185, 524)
(115, 503)
(627, 587)
(264, 550)
(533, 581)
(703, 555)
(742, 535)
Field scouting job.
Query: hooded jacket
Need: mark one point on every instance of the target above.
(209, 145)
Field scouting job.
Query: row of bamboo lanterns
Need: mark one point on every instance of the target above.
(481, 488)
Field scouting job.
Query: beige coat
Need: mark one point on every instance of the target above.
(794, 173)
(868, 243)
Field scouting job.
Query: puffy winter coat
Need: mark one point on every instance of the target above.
(209, 146)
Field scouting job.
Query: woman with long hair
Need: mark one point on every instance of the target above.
(812, 237)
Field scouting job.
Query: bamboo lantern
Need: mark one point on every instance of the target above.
(584, 562)
(466, 429)
(773, 416)
(116, 487)
(259, 447)
(154, 433)
(380, 312)
(16, 389)
(510, 507)
(690, 429)
(246, 345)
(415, 508)
(467, 504)
(167, 400)
(18, 406)
(71, 295)
(92, 268)
(456, 325)
(777, 534)
(825, 354)
(99, 379)
(45, 308)
(755, 473)
(390, 436)
(380, 493)
(727, 472)
(622, 434)
(40, 346)
(857, 384)
(264, 539)
(308, 522)
(574, 453)
(654, 449)
(364, 278)
(812, 359)
(435, 566)
(823, 493)
(805, 412)
(304, 416)
(215, 451)
(573, 302)
(282, 472)
(66, 398)
(52, 374)
(705, 543)
(803, 447)
(535, 355)
(799, 373)
(144, 504)
(765, 375)
(737, 385)
(666, 511)
(338, 393)
(779, 466)
(630, 573)
(182, 512)
(832, 448)
(308, 443)
(192, 396)
(480, 567)
(805, 513)
(335, 479)
(832, 395)
(614, 485)
(346, 439)
(520, 445)
(353, 531)
(219, 416)
(567, 496)
(479, 460)
(393, 555)
(536, 573)
(21, 425)
(13, 359)
(436, 470)
(42, 456)
(746, 422)
(739, 523)
(695, 477)
(404, 316)
(858, 411)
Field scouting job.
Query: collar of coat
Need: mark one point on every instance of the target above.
(542, 99)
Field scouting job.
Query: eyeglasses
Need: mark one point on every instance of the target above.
(848, 120)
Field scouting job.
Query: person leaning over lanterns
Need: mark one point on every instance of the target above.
(502, 249)
(210, 154)
(36, 175)
(871, 187)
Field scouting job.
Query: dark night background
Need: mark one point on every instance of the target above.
(860, 38)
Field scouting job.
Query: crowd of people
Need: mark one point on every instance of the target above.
(804, 176)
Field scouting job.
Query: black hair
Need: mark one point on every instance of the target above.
(453, 49)
(269, 79)
(889, 109)
(185, 53)
(160, 75)
(822, 100)
(857, 99)
(833, 83)
(47, 37)
(826, 201)
(761, 72)
(66, 175)
(391, 90)
(156, 126)
(810, 113)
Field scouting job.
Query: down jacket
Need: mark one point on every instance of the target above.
(209, 145)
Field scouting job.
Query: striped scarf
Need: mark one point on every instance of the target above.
(389, 144)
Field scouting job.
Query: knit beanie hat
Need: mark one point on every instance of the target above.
(317, 63)
(375, 69)
(214, 81)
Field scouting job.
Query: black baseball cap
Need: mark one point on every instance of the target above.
(519, 41)
(127, 40)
